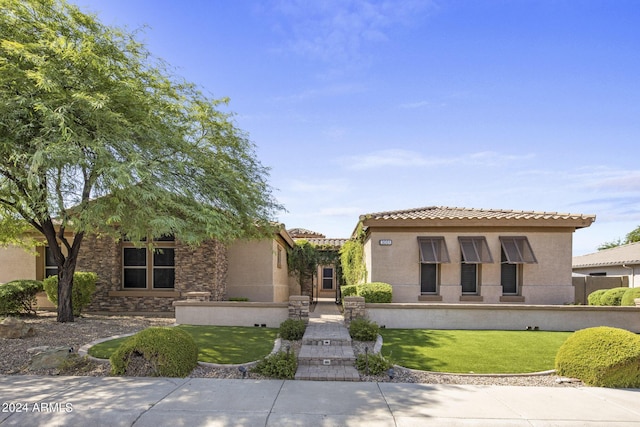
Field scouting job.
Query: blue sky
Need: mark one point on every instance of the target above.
(362, 106)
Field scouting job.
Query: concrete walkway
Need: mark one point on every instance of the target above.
(116, 401)
(326, 353)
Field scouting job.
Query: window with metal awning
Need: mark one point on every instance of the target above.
(475, 250)
(433, 250)
(517, 250)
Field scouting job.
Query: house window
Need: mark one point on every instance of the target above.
(509, 276)
(516, 251)
(279, 259)
(474, 252)
(144, 268)
(433, 251)
(50, 266)
(327, 278)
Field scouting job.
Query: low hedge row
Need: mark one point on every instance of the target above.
(614, 297)
(375, 292)
(19, 297)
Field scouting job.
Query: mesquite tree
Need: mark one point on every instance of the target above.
(96, 136)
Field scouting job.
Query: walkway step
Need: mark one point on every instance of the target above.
(327, 373)
(330, 355)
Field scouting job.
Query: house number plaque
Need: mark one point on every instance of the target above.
(385, 242)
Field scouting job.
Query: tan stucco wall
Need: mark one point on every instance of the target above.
(615, 270)
(16, 263)
(547, 282)
(253, 271)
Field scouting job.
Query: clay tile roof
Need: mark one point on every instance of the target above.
(625, 254)
(303, 233)
(336, 243)
(455, 213)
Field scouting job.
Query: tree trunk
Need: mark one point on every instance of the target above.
(65, 287)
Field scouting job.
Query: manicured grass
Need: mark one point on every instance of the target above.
(466, 351)
(216, 344)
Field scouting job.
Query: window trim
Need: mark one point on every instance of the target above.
(477, 253)
(437, 279)
(332, 278)
(518, 274)
(517, 250)
(149, 267)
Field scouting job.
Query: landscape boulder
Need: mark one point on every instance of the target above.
(15, 328)
(48, 357)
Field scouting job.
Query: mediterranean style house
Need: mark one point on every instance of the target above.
(461, 255)
(622, 260)
(432, 254)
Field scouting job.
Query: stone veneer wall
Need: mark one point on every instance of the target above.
(200, 269)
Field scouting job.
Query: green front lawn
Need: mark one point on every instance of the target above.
(467, 351)
(216, 344)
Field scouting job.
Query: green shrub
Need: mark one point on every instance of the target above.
(292, 329)
(629, 296)
(239, 299)
(594, 297)
(601, 357)
(281, 365)
(162, 352)
(375, 292)
(612, 297)
(377, 363)
(349, 290)
(19, 297)
(84, 285)
(363, 330)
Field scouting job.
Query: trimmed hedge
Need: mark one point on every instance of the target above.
(612, 297)
(629, 296)
(292, 329)
(167, 352)
(595, 296)
(84, 285)
(375, 292)
(364, 330)
(601, 357)
(19, 297)
(281, 365)
(349, 290)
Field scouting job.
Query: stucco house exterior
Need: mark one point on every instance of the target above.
(137, 279)
(622, 260)
(463, 255)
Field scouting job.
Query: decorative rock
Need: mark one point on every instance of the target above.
(15, 328)
(50, 358)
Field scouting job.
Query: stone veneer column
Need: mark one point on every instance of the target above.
(299, 307)
(202, 269)
(103, 257)
(354, 308)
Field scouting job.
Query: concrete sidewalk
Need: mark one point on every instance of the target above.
(117, 401)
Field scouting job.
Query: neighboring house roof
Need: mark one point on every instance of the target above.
(453, 216)
(620, 255)
(303, 233)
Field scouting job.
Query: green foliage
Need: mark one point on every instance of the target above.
(302, 261)
(281, 365)
(84, 286)
(19, 297)
(601, 357)
(613, 296)
(364, 330)
(349, 290)
(239, 299)
(168, 352)
(629, 297)
(376, 363)
(292, 329)
(354, 269)
(99, 135)
(595, 297)
(376, 292)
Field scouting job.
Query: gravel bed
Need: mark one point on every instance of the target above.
(14, 358)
